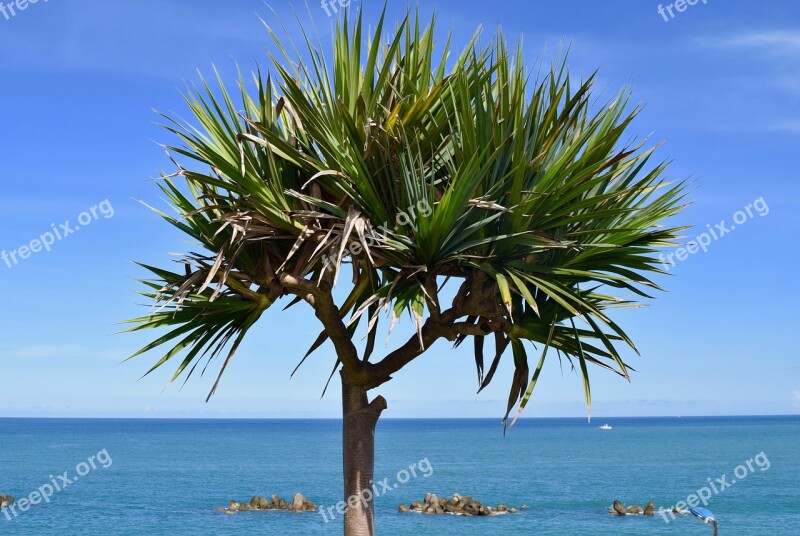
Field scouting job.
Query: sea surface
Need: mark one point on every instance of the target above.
(164, 477)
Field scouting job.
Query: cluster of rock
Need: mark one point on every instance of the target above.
(298, 504)
(619, 509)
(5, 500)
(455, 505)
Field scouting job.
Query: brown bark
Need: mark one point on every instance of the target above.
(475, 297)
(358, 448)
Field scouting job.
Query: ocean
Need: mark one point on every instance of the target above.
(164, 477)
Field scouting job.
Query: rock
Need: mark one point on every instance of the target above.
(297, 503)
(455, 505)
(5, 500)
(677, 510)
(523, 507)
(618, 509)
(635, 509)
(234, 507)
(219, 509)
(649, 509)
(454, 509)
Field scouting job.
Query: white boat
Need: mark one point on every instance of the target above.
(606, 427)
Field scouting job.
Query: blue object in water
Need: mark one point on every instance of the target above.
(704, 514)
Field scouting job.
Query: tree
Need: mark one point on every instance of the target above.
(522, 216)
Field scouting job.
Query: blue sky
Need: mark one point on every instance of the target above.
(721, 86)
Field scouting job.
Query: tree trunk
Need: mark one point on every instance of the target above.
(359, 418)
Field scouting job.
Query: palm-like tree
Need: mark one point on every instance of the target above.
(524, 196)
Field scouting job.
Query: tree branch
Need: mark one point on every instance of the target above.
(445, 327)
(321, 299)
(473, 297)
(382, 371)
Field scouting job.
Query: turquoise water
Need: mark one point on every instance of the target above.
(166, 477)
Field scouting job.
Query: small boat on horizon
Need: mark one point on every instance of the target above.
(606, 427)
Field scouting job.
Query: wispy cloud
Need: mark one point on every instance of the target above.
(787, 126)
(767, 59)
(57, 351)
(776, 40)
(95, 36)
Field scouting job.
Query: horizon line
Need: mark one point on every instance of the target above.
(2, 418)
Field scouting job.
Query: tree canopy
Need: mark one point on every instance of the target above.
(485, 201)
